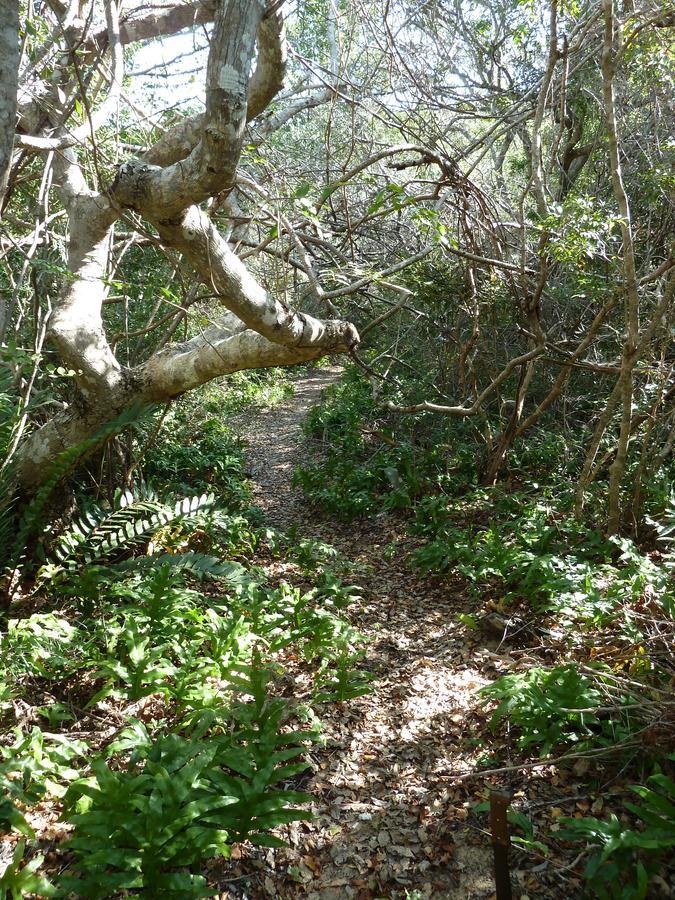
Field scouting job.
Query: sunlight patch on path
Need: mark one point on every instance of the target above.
(389, 822)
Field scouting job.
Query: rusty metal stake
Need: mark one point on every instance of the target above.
(499, 826)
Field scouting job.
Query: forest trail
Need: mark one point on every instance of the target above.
(275, 446)
(391, 818)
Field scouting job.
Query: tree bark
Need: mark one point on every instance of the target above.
(9, 75)
(631, 311)
(256, 330)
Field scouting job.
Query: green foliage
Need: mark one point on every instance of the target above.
(99, 533)
(627, 857)
(245, 390)
(197, 565)
(196, 634)
(32, 767)
(665, 530)
(162, 640)
(517, 549)
(583, 229)
(195, 451)
(9, 419)
(33, 518)
(21, 879)
(217, 762)
(42, 645)
(341, 676)
(236, 535)
(554, 706)
(208, 459)
(360, 471)
(182, 801)
(526, 839)
(534, 553)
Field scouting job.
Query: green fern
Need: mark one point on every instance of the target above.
(666, 531)
(33, 515)
(9, 420)
(99, 534)
(10, 417)
(199, 565)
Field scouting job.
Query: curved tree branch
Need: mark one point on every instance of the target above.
(265, 83)
(258, 331)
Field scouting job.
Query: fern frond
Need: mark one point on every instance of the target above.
(9, 420)
(99, 534)
(199, 565)
(33, 514)
(9, 413)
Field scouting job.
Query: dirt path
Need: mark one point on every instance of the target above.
(391, 819)
(275, 447)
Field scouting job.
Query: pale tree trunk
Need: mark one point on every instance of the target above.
(189, 165)
(632, 327)
(9, 73)
(590, 468)
(531, 298)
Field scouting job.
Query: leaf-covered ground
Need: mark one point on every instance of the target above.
(400, 778)
(396, 783)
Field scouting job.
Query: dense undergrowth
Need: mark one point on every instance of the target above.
(160, 695)
(598, 612)
(151, 708)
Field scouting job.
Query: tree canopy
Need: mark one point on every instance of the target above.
(507, 163)
(467, 208)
